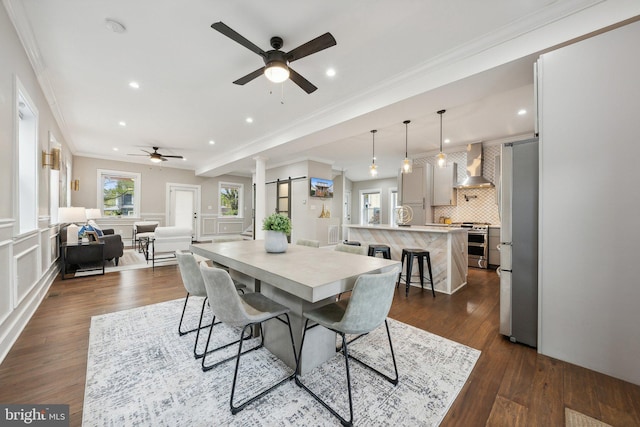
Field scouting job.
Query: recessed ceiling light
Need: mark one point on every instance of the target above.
(115, 148)
(114, 26)
(331, 72)
(184, 159)
(211, 142)
(522, 112)
(446, 141)
(122, 123)
(134, 85)
(249, 120)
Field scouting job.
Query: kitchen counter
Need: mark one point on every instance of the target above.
(447, 246)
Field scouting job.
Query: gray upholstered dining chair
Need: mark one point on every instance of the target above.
(243, 311)
(308, 242)
(367, 309)
(360, 250)
(193, 283)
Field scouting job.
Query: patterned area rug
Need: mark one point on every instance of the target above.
(141, 373)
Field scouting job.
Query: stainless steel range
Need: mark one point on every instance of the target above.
(478, 240)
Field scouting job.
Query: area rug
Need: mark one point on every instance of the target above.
(141, 373)
(133, 260)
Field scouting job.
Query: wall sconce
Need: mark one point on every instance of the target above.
(51, 159)
(75, 185)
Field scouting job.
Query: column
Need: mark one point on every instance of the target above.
(261, 194)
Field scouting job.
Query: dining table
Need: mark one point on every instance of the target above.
(302, 278)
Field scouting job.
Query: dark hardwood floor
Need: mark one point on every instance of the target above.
(511, 385)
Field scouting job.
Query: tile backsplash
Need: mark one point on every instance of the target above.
(480, 204)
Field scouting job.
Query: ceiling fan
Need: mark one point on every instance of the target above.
(156, 157)
(276, 62)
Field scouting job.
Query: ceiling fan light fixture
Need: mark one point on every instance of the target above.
(276, 71)
(155, 159)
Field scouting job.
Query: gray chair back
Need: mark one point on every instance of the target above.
(190, 272)
(224, 300)
(359, 250)
(370, 302)
(307, 242)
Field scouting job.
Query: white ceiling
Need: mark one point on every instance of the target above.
(395, 60)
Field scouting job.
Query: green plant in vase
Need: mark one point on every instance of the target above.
(277, 227)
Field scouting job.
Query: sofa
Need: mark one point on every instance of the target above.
(113, 248)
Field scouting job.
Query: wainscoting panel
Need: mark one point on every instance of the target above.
(25, 275)
(209, 226)
(228, 227)
(6, 294)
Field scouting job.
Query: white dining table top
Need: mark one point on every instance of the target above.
(309, 273)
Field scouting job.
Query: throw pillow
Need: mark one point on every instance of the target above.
(85, 228)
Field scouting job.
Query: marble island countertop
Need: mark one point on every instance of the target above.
(431, 228)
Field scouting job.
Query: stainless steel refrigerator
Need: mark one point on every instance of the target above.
(518, 203)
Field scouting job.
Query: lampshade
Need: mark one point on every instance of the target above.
(94, 213)
(373, 169)
(72, 215)
(407, 163)
(276, 71)
(441, 157)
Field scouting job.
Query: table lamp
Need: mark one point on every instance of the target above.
(72, 216)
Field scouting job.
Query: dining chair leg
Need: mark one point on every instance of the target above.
(184, 308)
(238, 408)
(315, 396)
(206, 367)
(393, 381)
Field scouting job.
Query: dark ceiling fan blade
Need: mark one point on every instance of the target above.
(252, 75)
(316, 45)
(233, 35)
(172, 157)
(304, 84)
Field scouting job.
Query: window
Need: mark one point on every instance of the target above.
(118, 193)
(27, 149)
(370, 205)
(231, 199)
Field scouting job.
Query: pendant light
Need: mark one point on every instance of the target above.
(373, 169)
(407, 163)
(441, 157)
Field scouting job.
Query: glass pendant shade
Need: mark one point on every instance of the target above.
(441, 158)
(373, 169)
(407, 165)
(276, 72)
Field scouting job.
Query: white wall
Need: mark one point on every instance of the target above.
(26, 261)
(590, 203)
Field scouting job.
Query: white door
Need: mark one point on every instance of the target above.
(184, 207)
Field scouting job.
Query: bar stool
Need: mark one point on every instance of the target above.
(385, 250)
(420, 254)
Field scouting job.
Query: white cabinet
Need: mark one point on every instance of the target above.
(494, 241)
(444, 182)
(414, 190)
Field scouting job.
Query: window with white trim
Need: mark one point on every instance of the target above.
(118, 193)
(230, 200)
(27, 164)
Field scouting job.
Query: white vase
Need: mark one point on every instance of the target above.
(275, 241)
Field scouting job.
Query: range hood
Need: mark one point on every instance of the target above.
(474, 169)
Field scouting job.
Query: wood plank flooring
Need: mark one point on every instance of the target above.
(511, 384)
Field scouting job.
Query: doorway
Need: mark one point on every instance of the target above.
(183, 208)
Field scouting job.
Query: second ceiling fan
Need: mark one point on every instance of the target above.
(276, 62)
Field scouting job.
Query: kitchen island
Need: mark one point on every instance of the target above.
(447, 248)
